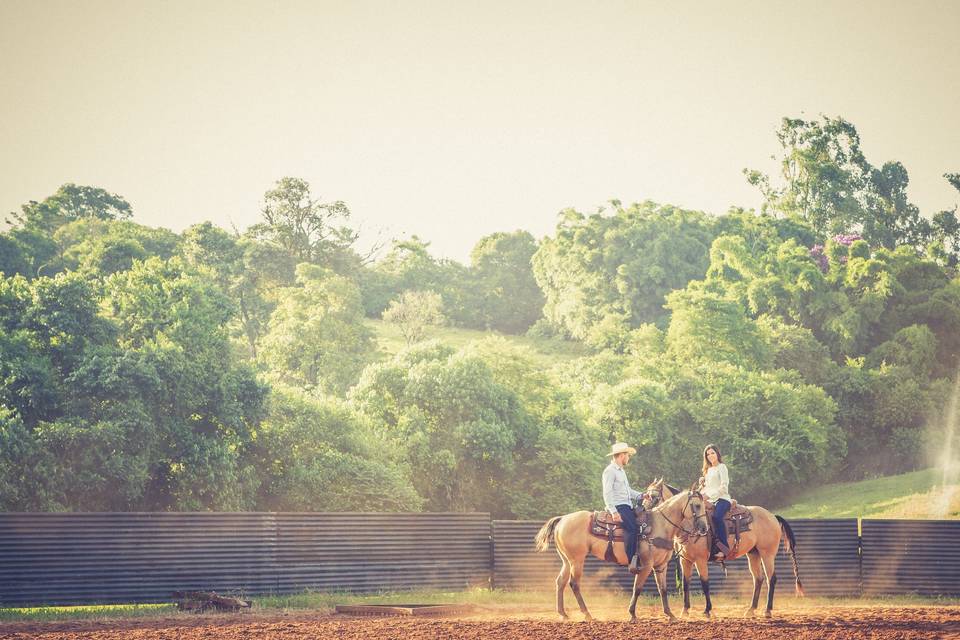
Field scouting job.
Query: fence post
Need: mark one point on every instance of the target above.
(493, 557)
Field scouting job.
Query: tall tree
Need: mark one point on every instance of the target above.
(72, 202)
(316, 337)
(308, 229)
(510, 299)
(623, 263)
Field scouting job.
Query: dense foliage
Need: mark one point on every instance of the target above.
(142, 369)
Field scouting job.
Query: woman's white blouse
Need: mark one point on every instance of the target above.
(716, 484)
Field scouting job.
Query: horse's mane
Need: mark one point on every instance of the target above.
(672, 488)
(669, 501)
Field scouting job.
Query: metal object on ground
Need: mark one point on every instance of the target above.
(404, 609)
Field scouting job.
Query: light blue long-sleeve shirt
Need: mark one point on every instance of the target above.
(616, 489)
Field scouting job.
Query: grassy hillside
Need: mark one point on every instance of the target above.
(547, 352)
(910, 495)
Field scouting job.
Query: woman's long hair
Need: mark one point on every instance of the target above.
(706, 463)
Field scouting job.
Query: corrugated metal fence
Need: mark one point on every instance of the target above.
(903, 556)
(77, 558)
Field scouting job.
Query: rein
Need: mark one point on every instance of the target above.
(688, 532)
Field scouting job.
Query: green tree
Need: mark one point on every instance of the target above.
(482, 430)
(511, 300)
(306, 228)
(318, 455)
(71, 202)
(707, 326)
(171, 372)
(413, 312)
(316, 336)
(624, 263)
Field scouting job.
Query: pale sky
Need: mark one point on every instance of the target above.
(452, 120)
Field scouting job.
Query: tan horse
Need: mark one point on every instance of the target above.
(759, 544)
(570, 534)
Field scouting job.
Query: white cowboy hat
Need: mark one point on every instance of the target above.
(621, 447)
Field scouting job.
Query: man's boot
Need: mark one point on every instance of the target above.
(635, 560)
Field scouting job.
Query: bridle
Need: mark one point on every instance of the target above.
(688, 532)
(655, 498)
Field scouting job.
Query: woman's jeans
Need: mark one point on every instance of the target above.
(721, 507)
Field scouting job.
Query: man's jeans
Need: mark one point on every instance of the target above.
(629, 528)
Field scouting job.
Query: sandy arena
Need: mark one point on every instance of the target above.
(840, 621)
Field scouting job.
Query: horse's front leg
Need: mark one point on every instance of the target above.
(638, 581)
(687, 566)
(660, 574)
(703, 572)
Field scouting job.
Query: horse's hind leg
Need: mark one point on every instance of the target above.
(756, 570)
(576, 576)
(562, 580)
(769, 568)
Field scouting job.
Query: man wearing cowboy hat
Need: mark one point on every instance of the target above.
(618, 497)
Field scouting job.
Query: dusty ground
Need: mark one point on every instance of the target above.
(902, 623)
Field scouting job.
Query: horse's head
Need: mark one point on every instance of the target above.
(653, 495)
(657, 492)
(696, 509)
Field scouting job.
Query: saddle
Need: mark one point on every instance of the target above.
(603, 526)
(738, 520)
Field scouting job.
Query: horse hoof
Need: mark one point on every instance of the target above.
(633, 618)
(588, 618)
(749, 613)
(768, 613)
(563, 617)
(706, 614)
(684, 613)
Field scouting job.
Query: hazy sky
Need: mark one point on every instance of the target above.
(452, 119)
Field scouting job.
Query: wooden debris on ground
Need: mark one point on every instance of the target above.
(205, 600)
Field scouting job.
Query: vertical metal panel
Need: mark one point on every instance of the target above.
(78, 558)
(372, 552)
(826, 551)
(904, 556)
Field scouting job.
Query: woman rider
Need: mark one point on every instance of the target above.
(716, 488)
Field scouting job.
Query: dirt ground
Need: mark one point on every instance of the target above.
(902, 623)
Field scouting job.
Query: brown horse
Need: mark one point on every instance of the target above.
(759, 544)
(570, 533)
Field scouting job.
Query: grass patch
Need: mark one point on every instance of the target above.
(546, 351)
(326, 601)
(915, 495)
(86, 612)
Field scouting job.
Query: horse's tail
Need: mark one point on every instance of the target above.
(545, 535)
(790, 541)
